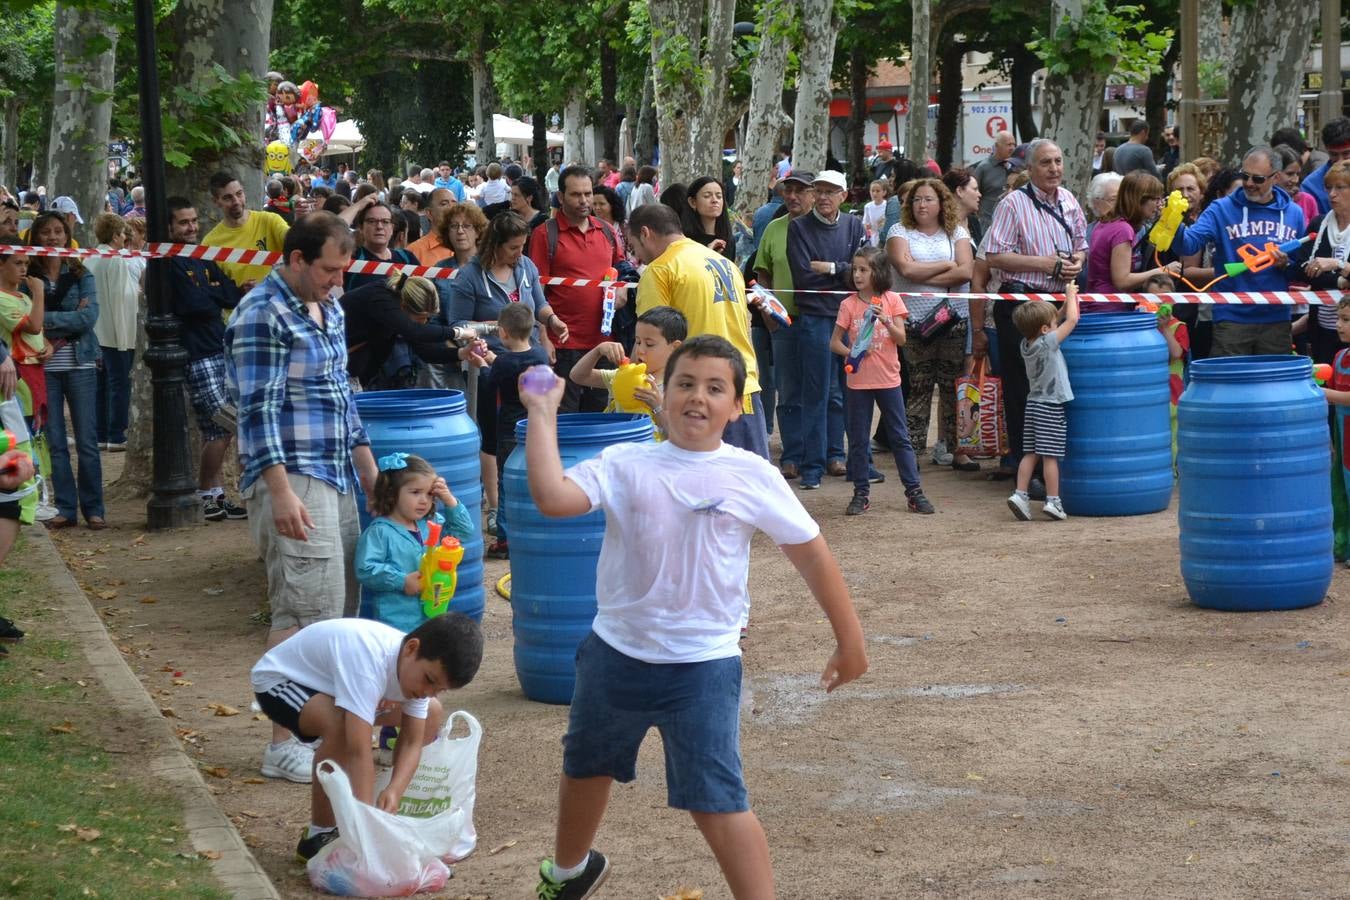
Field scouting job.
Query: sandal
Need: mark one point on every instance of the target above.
(95, 523)
(58, 522)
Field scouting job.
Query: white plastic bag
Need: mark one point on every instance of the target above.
(378, 854)
(444, 780)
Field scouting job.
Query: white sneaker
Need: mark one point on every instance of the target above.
(1054, 509)
(940, 455)
(290, 760)
(44, 512)
(1020, 506)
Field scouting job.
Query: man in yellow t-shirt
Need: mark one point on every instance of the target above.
(708, 290)
(244, 228)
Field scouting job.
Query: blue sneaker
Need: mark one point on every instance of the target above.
(809, 485)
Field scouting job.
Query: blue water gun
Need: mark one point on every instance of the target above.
(771, 304)
(864, 342)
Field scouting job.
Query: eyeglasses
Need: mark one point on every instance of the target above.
(380, 223)
(459, 226)
(1257, 180)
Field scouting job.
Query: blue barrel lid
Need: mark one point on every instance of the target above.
(1103, 323)
(1252, 369)
(597, 428)
(412, 402)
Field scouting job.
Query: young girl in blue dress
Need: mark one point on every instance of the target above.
(390, 550)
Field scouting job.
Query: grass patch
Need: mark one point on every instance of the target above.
(75, 820)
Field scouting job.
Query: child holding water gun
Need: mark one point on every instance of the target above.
(875, 380)
(391, 548)
(660, 330)
(1178, 345)
(1338, 395)
(1046, 429)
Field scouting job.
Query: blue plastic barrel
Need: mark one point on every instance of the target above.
(1254, 457)
(1119, 456)
(553, 560)
(434, 425)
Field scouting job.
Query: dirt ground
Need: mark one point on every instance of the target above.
(1046, 715)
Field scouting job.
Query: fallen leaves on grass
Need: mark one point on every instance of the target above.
(216, 771)
(209, 854)
(167, 712)
(84, 834)
(64, 728)
(254, 780)
(222, 709)
(107, 595)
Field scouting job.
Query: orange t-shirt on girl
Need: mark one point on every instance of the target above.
(880, 367)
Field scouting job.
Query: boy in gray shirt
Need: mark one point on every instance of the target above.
(1046, 429)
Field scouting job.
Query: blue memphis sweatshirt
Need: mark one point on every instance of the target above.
(1232, 221)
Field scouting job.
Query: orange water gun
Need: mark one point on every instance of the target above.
(439, 570)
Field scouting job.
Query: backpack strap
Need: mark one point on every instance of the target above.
(551, 232)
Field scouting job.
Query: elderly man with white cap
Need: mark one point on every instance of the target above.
(820, 251)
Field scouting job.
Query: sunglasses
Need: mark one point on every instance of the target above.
(1257, 180)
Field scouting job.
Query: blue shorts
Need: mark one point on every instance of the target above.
(695, 707)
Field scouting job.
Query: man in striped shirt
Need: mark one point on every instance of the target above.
(1038, 238)
(299, 436)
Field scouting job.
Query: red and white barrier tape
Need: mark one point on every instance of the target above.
(375, 267)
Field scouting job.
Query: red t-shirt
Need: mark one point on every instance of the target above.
(579, 254)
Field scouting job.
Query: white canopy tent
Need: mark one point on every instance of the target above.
(513, 131)
(346, 139)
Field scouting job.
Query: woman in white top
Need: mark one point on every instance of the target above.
(644, 191)
(117, 283)
(931, 250)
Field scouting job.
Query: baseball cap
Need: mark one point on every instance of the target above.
(832, 178)
(801, 176)
(885, 145)
(64, 204)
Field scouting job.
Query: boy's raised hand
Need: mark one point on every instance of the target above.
(545, 402)
(612, 351)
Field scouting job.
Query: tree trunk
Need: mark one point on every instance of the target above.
(574, 128)
(815, 60)
(644, 141)
(484, 105)
(1024, 67)
(609, 104)
(1155, 99)
(1270, 40)
(235, 34)
(1213, 44)
(81, 111)
(920, 82)
(9, 167)
(766, 104)
(1070, 109)
(539, 152)
(857, 114)
(949, 104)
(690, 97)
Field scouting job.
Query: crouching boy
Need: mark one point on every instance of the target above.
(671, 598)
(339, 678)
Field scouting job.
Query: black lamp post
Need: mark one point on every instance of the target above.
(173, 501)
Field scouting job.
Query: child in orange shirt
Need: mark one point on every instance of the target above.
(875, 379)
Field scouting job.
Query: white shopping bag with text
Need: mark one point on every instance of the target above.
(444, 780)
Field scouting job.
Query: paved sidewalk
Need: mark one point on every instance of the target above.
(207, 826)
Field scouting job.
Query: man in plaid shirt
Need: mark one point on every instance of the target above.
(299, 437)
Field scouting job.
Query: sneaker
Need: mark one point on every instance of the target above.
(212, 511)
(940, 455)
(388, 737)
(231, 511)
(44, 512)
(1020, 506)
(310, 846)
(1054, 508)
(579, 886)
(290, 760)
(809, 485)
(875, 477)
(858, 505)
(9, 631)
(918, 503)
(491, 527)
(499, 550)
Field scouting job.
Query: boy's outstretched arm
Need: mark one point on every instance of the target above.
(553, 493)
(821, 573)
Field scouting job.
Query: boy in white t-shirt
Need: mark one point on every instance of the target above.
(339, 678)
(671, 597)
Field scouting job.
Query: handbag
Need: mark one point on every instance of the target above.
(981, 430)
(940, 320)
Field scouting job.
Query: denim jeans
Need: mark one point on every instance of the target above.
(79, 389)
(892, 406)
(822, 397)
(764, 359)
(114, 395)
(787, 378)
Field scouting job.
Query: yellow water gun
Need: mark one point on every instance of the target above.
(630, 378)
(1165, 229)
(440, 571)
